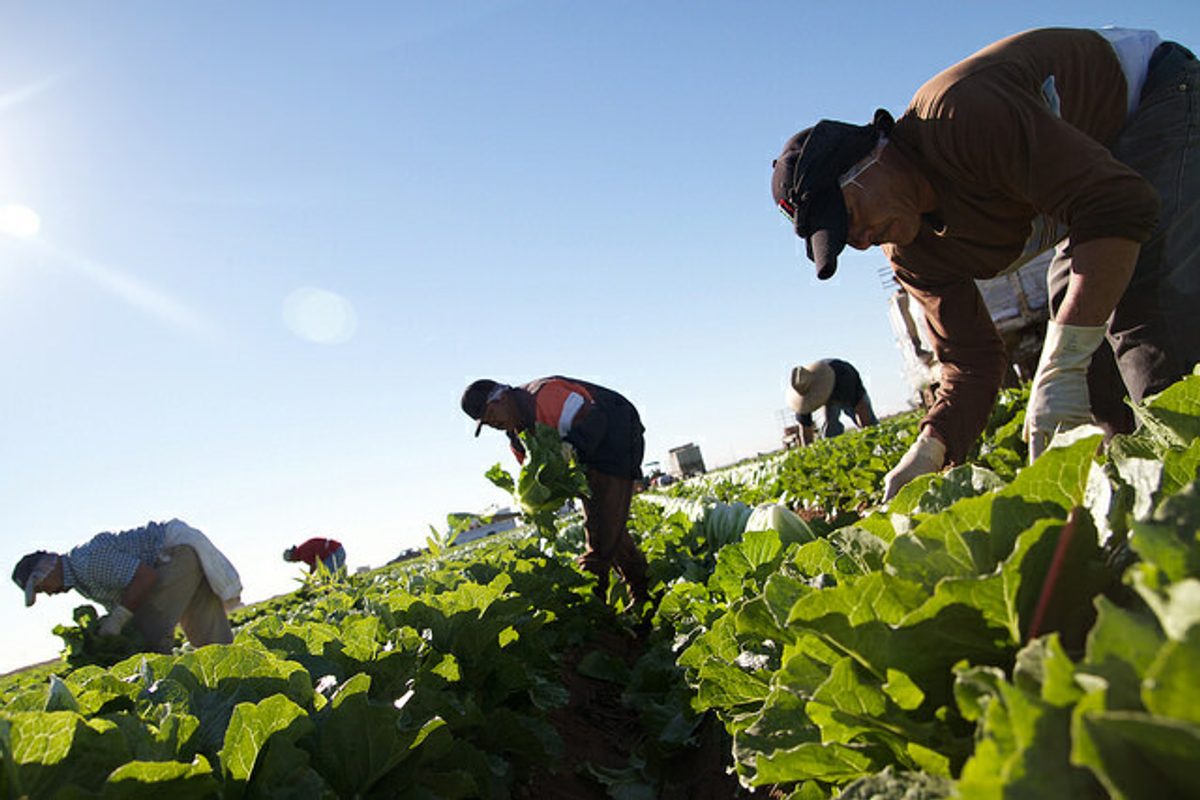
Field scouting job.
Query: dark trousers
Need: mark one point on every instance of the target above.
(609, 545)
(861, 413)
(1153, 336)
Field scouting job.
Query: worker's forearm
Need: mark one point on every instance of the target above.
(1100, 271)
(142, 584)
(807, 434)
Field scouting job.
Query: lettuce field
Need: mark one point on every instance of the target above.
(997, 631)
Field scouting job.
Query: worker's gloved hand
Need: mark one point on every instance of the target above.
(568, 451)
(1059, 397)
(115, 621)
(926, 455)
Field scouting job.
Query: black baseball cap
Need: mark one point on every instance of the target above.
(805, 186)
(475, 399)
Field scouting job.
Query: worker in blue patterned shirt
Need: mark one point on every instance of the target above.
(154, 577)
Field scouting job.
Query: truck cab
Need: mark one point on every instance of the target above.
(686, 461)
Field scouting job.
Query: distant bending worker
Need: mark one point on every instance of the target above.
(153, 577)
(316, 550)
(605, 431)
(835, 386)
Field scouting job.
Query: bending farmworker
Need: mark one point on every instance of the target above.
(316, 550)
(604, 432)
(835, 387)
(153, 577)
(1083, 141)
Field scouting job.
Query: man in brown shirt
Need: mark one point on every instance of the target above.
(1080, 140)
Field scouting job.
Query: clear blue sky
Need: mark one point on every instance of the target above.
(274, 241)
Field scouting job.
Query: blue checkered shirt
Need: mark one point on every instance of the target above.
(101, 568)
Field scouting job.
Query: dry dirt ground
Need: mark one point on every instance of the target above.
(596, 728)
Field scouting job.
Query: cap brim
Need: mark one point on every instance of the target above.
(825, 246)
(827, 226)
(31, 590)
(478, 428)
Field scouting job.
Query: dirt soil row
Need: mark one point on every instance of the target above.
(597, 728)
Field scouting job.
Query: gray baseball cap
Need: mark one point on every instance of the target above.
(31, 570)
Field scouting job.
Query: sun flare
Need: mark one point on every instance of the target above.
(320, 316)
(19, 221)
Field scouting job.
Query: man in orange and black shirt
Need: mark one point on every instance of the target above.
(605, 432)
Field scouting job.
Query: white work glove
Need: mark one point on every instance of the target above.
(926, 455)
(115, 621)
(1059, 397)
(568, 452)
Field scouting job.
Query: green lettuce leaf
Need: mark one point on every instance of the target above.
(153, 780)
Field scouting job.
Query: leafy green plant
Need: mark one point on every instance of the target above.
(831, 660)
(546, 481)
(438, 541)
(84, 645)
(995, 631)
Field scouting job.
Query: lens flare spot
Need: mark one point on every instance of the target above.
(19, 221)
(319, 315)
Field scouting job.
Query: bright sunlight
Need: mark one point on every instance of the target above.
(19, 221)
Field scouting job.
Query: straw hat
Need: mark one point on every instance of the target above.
(810, 387)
